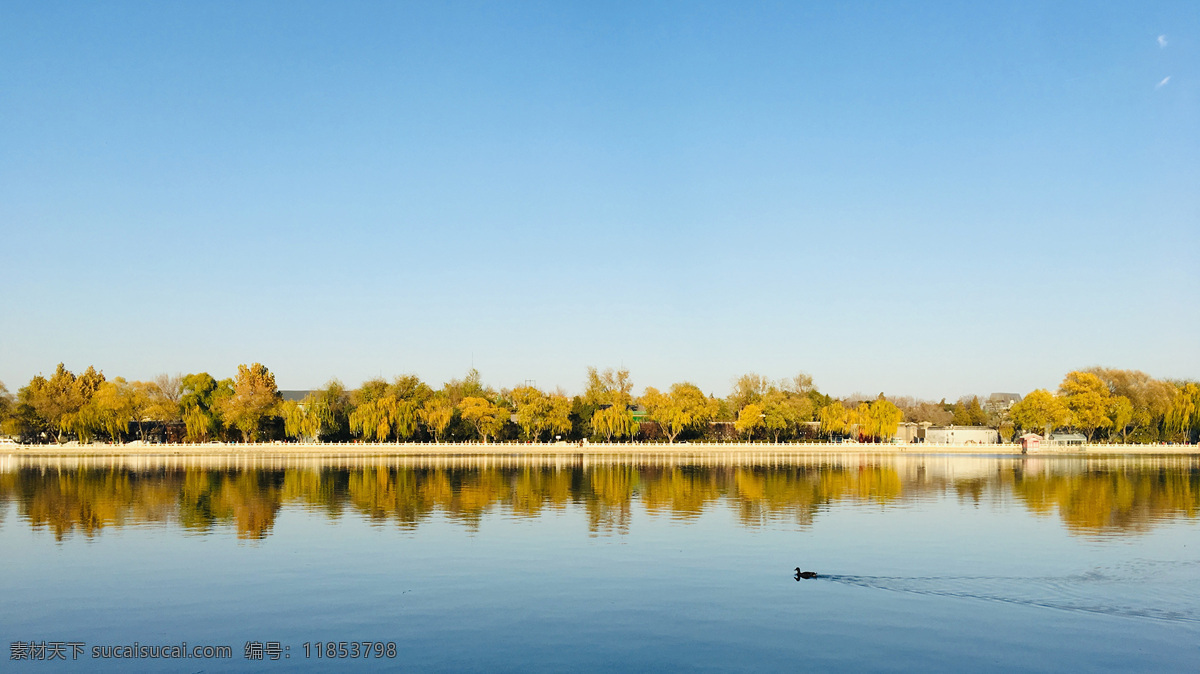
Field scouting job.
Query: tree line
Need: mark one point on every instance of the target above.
(1104, 404)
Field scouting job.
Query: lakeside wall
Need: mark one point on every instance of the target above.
(630, 449)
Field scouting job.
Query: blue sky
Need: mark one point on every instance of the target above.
(932, 199)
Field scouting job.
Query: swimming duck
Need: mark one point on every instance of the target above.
(805, 574)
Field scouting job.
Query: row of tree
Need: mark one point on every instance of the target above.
(1117, 404)
(1120, 405)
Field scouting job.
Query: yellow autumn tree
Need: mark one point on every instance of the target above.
(834, 419)
(1087, 399)
(684, 406)
(437, 413)
(487, 417)
(1040, 410)
(749, 419)
(255, 397)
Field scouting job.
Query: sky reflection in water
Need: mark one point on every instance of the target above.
(554, 563)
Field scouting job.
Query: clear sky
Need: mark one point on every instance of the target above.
(931, 199)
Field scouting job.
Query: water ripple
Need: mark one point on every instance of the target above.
(1142, 589)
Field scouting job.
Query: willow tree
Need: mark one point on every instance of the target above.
(611, 395)
(255, 397)
(115, 405)
(834, 418)
(385, 418)
(532, 411)
(1183, 416)
(334, 400)
(880, 420)
(373, 420)
(83, 423)
(389, 410)
(683, 407)
(304, 420)
(437, 413)
(614, 421)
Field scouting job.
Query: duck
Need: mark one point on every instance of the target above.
(805, 574)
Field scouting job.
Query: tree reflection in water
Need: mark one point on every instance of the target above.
(1092, 496)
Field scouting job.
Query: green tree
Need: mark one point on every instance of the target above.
(304, 420)
(255, 397)
(334, 401)
(323, 413)
(962, 417)
(469, 386)
(785, 411)
(201, 401)
(975, 412)
(372, 389)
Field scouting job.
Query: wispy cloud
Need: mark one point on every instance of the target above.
(1163, 83)
(1162, 40)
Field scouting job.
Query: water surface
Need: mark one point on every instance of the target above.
(616, 563)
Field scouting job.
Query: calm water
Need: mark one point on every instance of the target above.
(934, 563)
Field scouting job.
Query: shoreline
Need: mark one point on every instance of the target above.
(418, 449)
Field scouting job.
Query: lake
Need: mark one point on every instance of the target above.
(572, 562)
